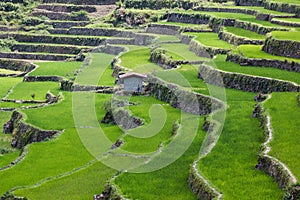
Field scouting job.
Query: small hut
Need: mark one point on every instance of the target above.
(132, 81)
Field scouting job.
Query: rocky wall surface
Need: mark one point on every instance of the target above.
(82, 2)
(80, 41)
(199, 187)
(67, 8)
(47, 48)
(245, 82)
(42, 78)
(285, 23)
(248, 2)
(68, 85)
(287, 48)
(260, 29)
(190, 102)
(163, 28)
(17, 65)
(60, 16)
(33, 56)
(109, 49)
(243, 61)
(237, 40)
(188, 18)
(270, 165)
(66, 24)
(205, 51)
(282, 7)
(23, 133)
(223, 9)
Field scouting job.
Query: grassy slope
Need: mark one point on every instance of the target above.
(211, 40)
(285, 120)
(220, 63)
(138, 60)
(230, 166)
(291, 35)
(167, 183)
(254, 51)
(64, 69)
(244, 33)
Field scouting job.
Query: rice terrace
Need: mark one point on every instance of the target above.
(149, 99)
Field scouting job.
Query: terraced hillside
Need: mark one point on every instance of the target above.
(217, 115)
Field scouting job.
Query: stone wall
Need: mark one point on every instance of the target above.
(42, 78)
(199, 187)
(163, 28)
(80, 41)
(245, 82)
(179, 98)
(287, 48)
(248, 2)
(205, 51)
(17, 65)
(67, 8)
(237, 40)
(243, 61)
(109, 49)
(82, 2)
(66, 24)
(34, 56)
(160, 57)
(285, 23)
(270, 165)
(260, 29)
(159, 4)
(188, 18)
(68, 85)
(23, 133)
(47, 48)
(224, 9)
(282, 7)
(60, 16)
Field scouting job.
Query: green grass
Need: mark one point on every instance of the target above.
(297, 20)
(7, 83)
(220, 63)
(254, 51)
(244, 33)
(283, 35)
(182, 51)
(167, 183)
(285, 121)
(230, 166)
(72, 187)
(24, 90)
(210, 40)
(64, 69)
(139, 61)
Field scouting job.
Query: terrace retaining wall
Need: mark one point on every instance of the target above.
(285, 23)
(66, 24)
(245, 82)
(60, 16)
(287, 48)
(205, 51)
(67, 8)
(199, 187)
(24, 133)
(162, 28)
(191, 102)
(34, 56)
(270, 165)
(47, 48)
(82, 2)
(17, 65)
(188, 18)
(285, 65)
(282, 7)
(68, 85)
(42, 78)
(237, 40)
